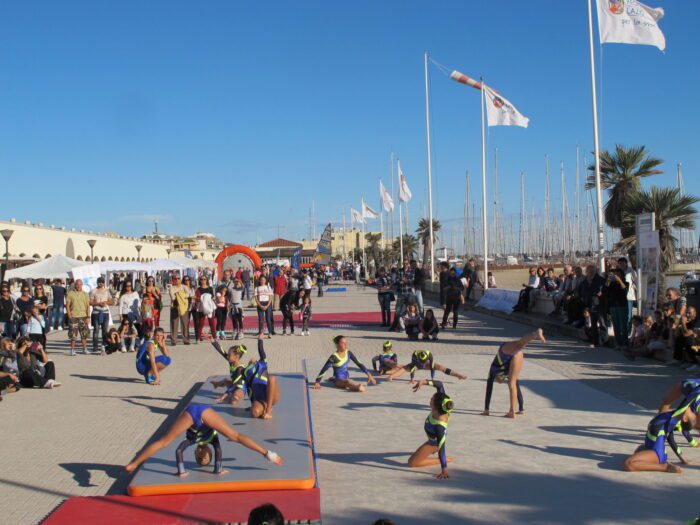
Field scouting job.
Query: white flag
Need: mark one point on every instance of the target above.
(500, 112)
(630, 22)
(387, 201)
(368, 212)
(404, 192)
(356, 216)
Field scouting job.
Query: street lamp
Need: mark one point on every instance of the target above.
(202, 254)
(168, 250)
(138, 249)
(92, 243)
(6, 234)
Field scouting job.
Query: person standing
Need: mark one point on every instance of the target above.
(404, 290)
(418, 282)
(263, 299)
(100, 299)
(384, 295)
(7, 312)
(307, 284)
(179, 310)
(631, 280)
(236, 307)
(245, 274)
(78, 313)
(281, 285)
(151, 294)
(615, 289)
(467, 272)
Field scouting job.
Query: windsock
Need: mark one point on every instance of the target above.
(464, 79)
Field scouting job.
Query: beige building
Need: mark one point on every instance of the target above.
(39, 241)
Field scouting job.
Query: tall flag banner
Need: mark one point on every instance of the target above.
(630, 22)
(356, 216)
(387, 201)
(500, 112)
(323, 250)
(368, 212)
(295, 261)
(405, 194)
(464, 79)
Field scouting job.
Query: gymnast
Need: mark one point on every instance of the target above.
(441, 406)
(339, 361)
(201, 425)
(651, 456)
(506, 366)
(688, 392)
(147, 364)
(387, 360)
(423, 360)
(262, 387)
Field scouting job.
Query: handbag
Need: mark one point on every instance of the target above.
(392, 297)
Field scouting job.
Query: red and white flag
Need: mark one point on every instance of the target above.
(387, 201)
(404, 191)
(500, 112)
(367, 212)
(356, 216)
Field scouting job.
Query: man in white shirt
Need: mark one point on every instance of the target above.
(631, 280)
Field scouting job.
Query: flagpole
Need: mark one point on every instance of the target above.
(596, 148)
(381, 223)
(483, 189)
(345, 238)
(430, 181)
(364, 258)
(400, 234)
(392, 209)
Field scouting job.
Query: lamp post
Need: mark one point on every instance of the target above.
(168, 250)
(138, 250)
(202, 254)
(6, 234)
(92, 243)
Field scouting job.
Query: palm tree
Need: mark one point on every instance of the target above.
(410, 246)
(671, 209)
(373, 248)
(621, 173)
(423, 232)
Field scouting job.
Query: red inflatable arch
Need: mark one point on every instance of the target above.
(237, 248)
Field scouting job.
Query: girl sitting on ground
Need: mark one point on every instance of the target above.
(339, 361)
(128, 335)
(429, 326)
(387, 360)
(435, 427)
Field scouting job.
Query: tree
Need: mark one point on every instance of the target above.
(621, 173)
(372, 247)
(423, 232)
(410, 246)
(671, 209)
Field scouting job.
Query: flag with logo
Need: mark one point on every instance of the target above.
(630, 22)
(356, 216)
(500, 112)
(368, 212)
(405, 194)
(387, 201)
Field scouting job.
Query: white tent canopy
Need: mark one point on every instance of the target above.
(193, 263)
(122, 266)
(56, 267)
(160, 265)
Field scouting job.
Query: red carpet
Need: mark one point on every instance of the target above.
(223, 507)
(250, 321)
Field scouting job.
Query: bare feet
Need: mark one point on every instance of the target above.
(486, 413)
(267, 415)
(183, 475)
(521, 412)
(222, 473)
(540, 335)
(130, 467)
(510, 415)
(674, 469)
(362, 388)
(460, 376)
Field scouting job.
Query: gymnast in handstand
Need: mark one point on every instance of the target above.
(506, 366)
(339, 360)
(441, 406)
(423, 360)
(201, 426)
(255, 379)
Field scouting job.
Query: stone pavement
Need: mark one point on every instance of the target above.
(586, 409)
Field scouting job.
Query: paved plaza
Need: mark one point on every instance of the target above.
(586, 410)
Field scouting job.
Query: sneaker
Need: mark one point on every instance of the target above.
(60, 329)
(49, 384)
(123, 350)
(239, 335)
(284, 332)
(72, 353)
(86, 352)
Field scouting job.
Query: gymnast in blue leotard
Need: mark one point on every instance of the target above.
(254, 379)
(506, 367)
(423, 360)
(387, 360)
(651, 456)
(441, 406)
(147, 363)
(201, 426)
(339, 360)
(686, 393)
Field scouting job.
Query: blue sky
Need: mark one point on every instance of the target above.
(231, 117)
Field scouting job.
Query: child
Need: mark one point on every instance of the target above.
(640, 335)
(305, 315)
(388, 360)
(128, 335)
(411, 321)
(221, 310)
(113, 342)
(492, 280)
(429, 326)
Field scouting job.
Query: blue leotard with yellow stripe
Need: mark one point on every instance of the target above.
(340, 365)
(436, 430)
